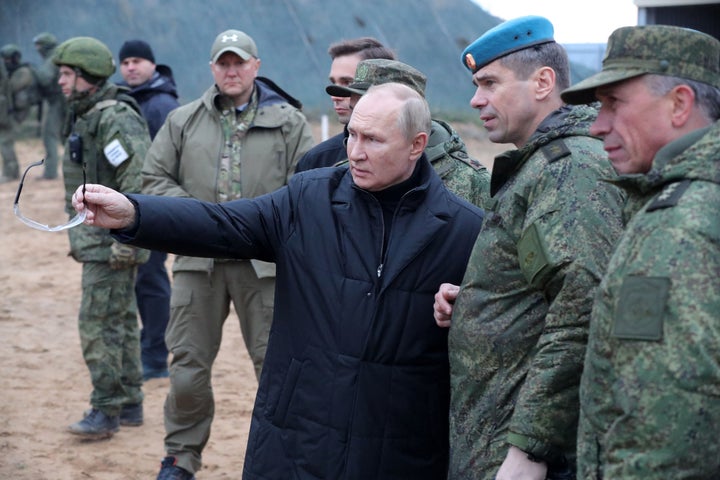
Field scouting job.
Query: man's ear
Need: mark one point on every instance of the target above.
(419, 143)
(544, 78)
(683, 103)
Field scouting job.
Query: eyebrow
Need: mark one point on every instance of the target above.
(346, 78)
(481, 77)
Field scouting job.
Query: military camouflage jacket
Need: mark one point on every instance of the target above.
(520, 321)
(463, 175)
(115, 140)
(650, 393)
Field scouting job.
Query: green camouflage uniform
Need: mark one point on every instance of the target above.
(520, 321)
(463, 175)
(108, 324)
(20, 94)
(650, 393)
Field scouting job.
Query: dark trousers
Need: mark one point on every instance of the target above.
(152, 290)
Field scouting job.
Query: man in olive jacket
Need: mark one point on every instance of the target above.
(355, 383)
(241, 139)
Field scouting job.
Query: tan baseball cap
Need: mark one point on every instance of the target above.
(240, 43)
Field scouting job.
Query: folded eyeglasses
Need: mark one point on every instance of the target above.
(75, 221)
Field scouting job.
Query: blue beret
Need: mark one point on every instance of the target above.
(506, 38)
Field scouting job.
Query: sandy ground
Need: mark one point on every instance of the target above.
(44, 384)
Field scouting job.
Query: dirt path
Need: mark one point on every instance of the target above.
(44, 384)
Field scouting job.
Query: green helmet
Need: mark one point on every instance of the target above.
(86, 53)
(45, 39)
(9, 50)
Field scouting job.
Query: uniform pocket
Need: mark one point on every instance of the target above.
(640, 308)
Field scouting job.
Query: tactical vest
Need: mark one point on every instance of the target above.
(97, 167)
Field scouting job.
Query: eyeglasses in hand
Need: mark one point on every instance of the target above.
(75, 221)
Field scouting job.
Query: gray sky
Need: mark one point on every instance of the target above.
(575, 21)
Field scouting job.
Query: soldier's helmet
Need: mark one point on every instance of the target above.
(9, 50)
(86, 53)
(45, 39)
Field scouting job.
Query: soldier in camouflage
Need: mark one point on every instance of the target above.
(107, 142)
(55, 106)
(650, 391)
(21, 94)
(520, 318)
(463, 175)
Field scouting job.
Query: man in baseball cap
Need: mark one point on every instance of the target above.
(649, 396)
(241, 139)
(463, 175)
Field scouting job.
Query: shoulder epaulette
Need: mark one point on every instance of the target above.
(102, 105)
(669, 196)
(555, 150)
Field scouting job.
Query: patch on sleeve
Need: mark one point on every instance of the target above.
(669, 196)
(115, 153)
(555, 150)
(533, 255)
(640, 308)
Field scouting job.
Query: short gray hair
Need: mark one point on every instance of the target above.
(707, 97)
(414, 117)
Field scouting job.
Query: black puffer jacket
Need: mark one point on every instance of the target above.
(355, 383)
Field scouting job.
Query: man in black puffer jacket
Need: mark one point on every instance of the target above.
(355, 383)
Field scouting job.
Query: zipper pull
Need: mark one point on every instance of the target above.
(379, 270)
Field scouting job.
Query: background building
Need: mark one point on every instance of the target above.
(698, 14)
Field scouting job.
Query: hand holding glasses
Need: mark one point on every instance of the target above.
(75, 221)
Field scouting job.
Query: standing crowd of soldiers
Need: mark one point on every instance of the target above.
(409, 313)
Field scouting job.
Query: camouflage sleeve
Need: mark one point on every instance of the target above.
(466, 180)
(572, 224)
(125, 141)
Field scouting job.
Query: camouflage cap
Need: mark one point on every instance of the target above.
(657, 49)
(377, 71)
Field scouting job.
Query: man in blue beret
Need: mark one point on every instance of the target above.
(520, 317)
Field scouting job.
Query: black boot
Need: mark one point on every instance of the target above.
(96, 425)
(131, 415)
(170, 471)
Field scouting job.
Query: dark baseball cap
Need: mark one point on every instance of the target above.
(655, 49)
(377, 71)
